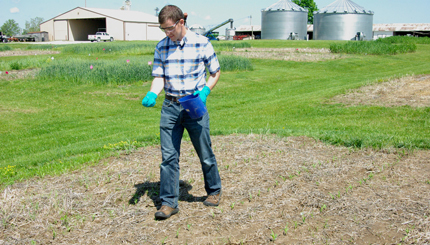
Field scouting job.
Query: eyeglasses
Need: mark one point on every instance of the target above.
(170, 28)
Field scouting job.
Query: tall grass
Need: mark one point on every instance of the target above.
(111, 48)
(405, 39)
(372, 48)
(5, 47)
(25, 63)
(120, 71)
(229, 46)
(235, 63)
(81, 71)
(44, 47)
(137, 47)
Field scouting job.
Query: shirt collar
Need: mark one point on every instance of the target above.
(183, 41)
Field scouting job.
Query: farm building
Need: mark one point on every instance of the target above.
(401, 29)
(78, 23)
(249, 31)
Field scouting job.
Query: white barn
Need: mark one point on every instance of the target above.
(125, 25)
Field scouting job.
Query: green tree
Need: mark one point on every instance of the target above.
(10, 28)
(33, 25)
(310, 5)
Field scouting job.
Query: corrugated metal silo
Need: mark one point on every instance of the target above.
(197, 29)
(284, 20)
(342, 20)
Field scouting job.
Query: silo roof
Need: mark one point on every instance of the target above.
(344, 6)
(285, 5)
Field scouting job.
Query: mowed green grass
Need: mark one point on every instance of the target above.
(52, 126)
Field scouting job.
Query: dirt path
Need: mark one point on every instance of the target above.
(275, 190)
(27, 52)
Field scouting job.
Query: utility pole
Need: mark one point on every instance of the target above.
(85, 3)
(252, 28)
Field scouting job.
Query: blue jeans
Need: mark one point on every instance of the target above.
(174, 119)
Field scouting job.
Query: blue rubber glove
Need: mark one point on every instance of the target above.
(149, 100)
(203, 94)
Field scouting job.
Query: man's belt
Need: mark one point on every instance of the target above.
(173, 98)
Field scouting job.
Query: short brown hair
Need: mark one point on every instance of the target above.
(170, 12)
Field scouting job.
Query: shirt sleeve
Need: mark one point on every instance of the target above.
(157, 65)
(211, 61)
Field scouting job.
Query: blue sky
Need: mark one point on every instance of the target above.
(209, 13)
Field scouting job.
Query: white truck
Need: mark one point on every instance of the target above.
(100, 36)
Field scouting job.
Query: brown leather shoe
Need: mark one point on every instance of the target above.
(165, 212)
(213, 200)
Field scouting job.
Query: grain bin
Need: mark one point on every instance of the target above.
(343, 20)
(197, 29)
(284, 20)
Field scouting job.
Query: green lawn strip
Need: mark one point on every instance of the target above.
(49, 127)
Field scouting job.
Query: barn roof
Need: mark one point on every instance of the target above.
(124, 15)
(402, 27)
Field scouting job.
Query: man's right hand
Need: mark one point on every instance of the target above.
(149, 100)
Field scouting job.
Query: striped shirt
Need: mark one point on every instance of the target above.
(183, 64)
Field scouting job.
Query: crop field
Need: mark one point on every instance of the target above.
(317, 142)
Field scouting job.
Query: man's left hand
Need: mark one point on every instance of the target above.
(203, 94)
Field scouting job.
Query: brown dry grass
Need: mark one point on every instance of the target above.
(292, 54)
(410, 90)
(18, 52)
(322, 193)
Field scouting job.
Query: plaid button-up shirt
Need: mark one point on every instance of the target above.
(183, 64)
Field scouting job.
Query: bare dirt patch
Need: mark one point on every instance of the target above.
(275, 190)
(292, 54)
(26, 52)
(411, 90)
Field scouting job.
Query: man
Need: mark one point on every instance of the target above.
(179, 67)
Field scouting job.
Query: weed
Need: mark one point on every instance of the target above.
(164, 240)
(177, 232)
(286, 229)
(322, 208)
(232, 205)
(8, 171)
(273, 235)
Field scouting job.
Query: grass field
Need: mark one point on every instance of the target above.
(80, 155)
(64, 117)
